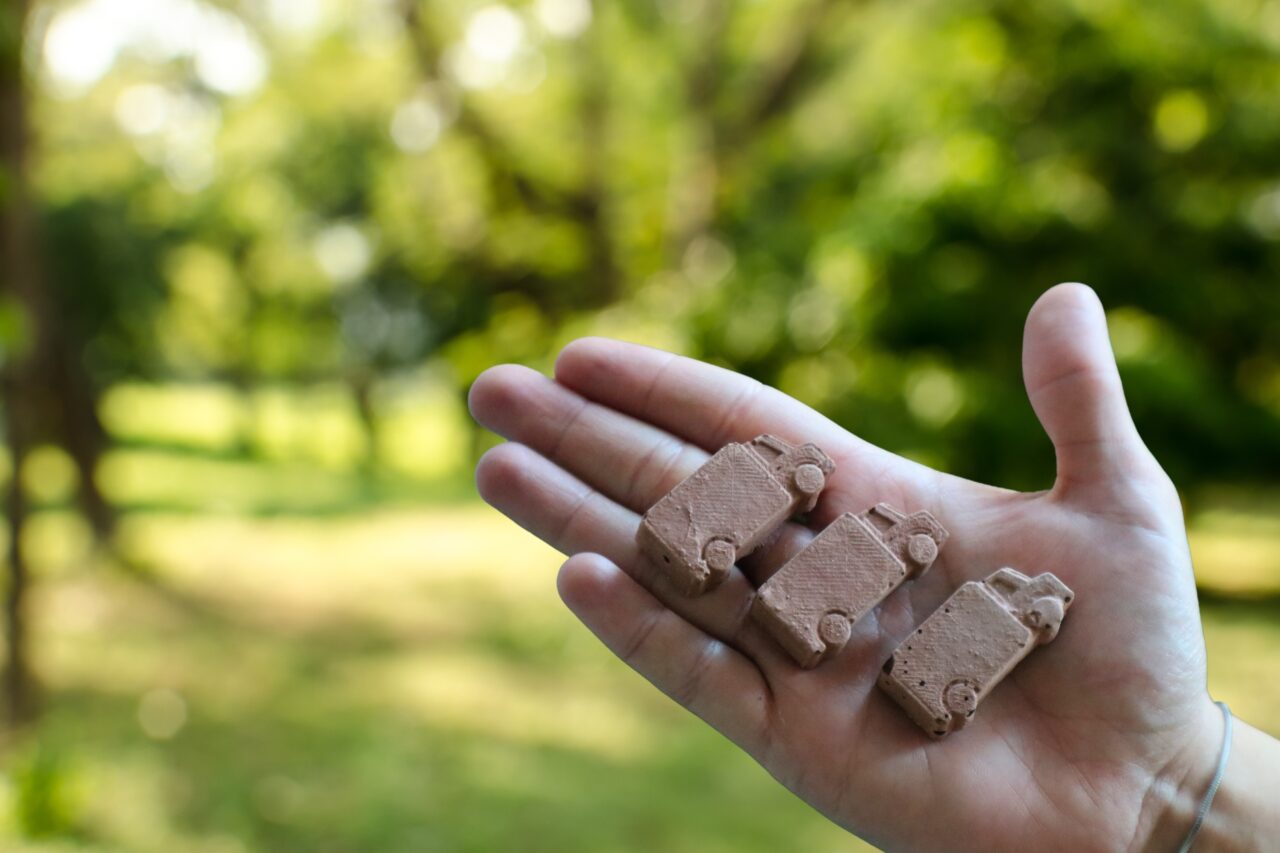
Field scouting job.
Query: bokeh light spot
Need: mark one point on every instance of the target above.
(563, 18)
(1181, 120)
(934, 395)
(162, 713)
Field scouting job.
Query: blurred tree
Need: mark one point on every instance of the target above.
(857, 202)
(22, 293)
(1072, 142)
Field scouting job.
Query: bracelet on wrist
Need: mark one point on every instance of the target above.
(1207, 802)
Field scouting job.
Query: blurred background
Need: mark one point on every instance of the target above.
(255, 251)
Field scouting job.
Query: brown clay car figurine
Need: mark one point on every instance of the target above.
(966, 647)
(812, 602)
(721, 512)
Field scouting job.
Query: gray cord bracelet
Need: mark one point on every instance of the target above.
(1217, 780)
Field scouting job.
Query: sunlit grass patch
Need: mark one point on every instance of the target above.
(1236, 550)
(408, 679)
(354, 564)
(418, 426)
(482, 694)
(154, 478)
(404, 680)
(1244, 659)
(195, 415)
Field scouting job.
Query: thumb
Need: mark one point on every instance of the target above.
(1074, 387)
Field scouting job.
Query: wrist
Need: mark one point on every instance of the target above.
(1176, 791)
(1242, 816)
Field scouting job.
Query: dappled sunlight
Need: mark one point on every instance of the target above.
(299, 672)
(304, 675)
(60, 541)
(299, 563)
(151, 478)
(485, 695)
(1237, 550)
(1247, 563)
(1244, 660)
(422, 431)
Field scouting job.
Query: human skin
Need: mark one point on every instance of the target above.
(1105, 739)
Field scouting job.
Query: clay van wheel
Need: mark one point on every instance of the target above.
(719, 556)
(809, 479)
(834, 630)
(961, 699)
(922, 549)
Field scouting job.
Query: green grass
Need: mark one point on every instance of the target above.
(401, 681)
(396, 681)
(405, 679)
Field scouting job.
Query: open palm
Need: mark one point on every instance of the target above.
(1077, 749)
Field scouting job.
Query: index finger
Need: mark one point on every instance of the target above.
(710, 406)
(704, 404)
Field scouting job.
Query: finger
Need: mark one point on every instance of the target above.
(698, 671)
(1074, 386)
(710, 406)
(701, 403)
(573, 518)
(630, 461)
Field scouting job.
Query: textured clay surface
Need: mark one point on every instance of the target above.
(964, 649)
(811, 603)
(699, 529)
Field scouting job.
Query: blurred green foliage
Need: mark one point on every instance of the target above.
(857, 202)
(42, 799)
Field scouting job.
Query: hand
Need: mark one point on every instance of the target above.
(1103, 739)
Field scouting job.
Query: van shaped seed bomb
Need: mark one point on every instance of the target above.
(812, 602)
(966, 647)
(725, 509)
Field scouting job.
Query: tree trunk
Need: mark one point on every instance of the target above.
(19, 272)
(82, 433)
(606, 278)
(360, 386)
(695, 180)
(19, 683)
